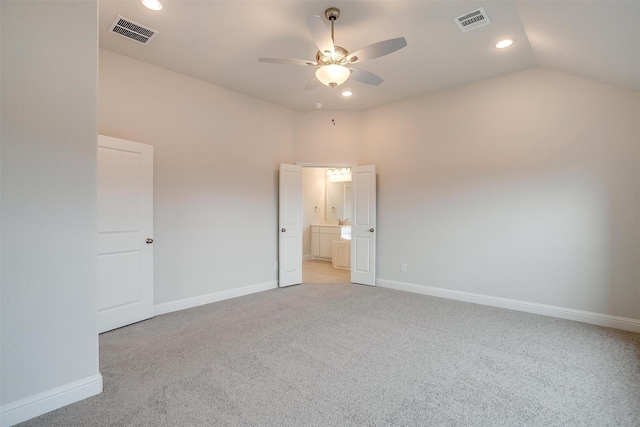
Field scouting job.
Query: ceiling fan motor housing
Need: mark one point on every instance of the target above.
(322, 58)
(332, 13)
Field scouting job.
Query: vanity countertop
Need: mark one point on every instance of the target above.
(330, 225)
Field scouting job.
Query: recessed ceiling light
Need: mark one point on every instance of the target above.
(152, 4)
(347, 93)
(318, 105)
(504, 43)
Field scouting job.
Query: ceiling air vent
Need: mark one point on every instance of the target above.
(132, 30)
(472, 20)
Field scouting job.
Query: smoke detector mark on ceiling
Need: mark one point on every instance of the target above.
(472, 20)
(132, 30)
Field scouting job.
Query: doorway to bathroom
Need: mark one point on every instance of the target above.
(327, 213)
(347, 243)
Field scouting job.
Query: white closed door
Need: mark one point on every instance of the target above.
(290, 226)
(125, 232)
(363, 225)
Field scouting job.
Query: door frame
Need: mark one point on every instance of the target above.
(329, 165)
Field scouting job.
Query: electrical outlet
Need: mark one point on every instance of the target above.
(403, 267)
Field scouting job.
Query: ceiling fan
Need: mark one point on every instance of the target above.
(335, 62)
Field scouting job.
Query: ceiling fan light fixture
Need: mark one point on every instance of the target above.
(152, 4)
(332, 75)
(332, 60)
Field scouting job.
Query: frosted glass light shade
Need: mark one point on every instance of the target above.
(332, 75)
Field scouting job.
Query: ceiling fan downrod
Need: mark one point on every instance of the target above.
(332, 14)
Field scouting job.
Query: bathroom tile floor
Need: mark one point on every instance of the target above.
(315, 271)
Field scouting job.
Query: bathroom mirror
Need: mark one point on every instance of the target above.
(338, 201)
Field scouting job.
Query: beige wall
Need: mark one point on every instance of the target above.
(327, 137)
(49, 126)
(216, 155)
(525, 186)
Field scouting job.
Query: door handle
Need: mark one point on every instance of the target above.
(149, 241)
(283, 229)
(371, 230)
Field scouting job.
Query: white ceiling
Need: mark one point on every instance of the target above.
(220, 42)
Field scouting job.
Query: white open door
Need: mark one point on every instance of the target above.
(290, 226)
(363, 225)
(125, 231)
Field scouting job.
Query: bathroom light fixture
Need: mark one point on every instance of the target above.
(347, 93)
(504, 43)
(333, 75)
(152, 4)
(338, 171)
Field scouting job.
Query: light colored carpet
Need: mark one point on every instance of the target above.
(350, 355)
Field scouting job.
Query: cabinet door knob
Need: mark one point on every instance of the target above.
(283, 229)
(371, 230)
(149, 241)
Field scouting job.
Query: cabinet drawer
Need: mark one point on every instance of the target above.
(330, 230)
(325, 230)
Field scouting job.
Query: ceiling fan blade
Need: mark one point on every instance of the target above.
(320, 34)
(288, 61)
(313, 83)
(377, 50)
(365, 77)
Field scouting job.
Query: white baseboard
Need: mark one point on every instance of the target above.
(41, 403)
(624, 323)
(171, 306)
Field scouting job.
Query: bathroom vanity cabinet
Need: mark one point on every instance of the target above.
(341, 254)
(322, 237)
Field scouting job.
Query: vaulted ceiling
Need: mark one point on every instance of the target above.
(220, 41)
